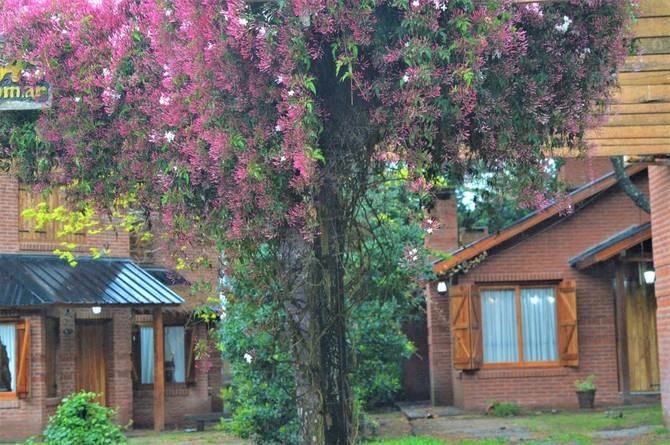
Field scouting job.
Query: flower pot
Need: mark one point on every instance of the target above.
(586, 398)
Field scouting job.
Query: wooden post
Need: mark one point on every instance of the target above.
(159, 371)
(622, 330)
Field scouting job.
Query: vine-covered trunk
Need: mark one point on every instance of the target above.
(318, 329)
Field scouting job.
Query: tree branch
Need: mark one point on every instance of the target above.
(627, 185)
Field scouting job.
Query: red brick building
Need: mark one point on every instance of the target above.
(98, 326)
(551, 299)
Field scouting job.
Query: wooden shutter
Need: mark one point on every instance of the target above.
(189, 332)
(464, 308)
(566, 313)
(23, 359)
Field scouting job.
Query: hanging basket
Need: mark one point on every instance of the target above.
(586, 398)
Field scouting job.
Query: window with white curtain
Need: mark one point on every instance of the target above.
(175, 356)
(519, 324)
(7, 357)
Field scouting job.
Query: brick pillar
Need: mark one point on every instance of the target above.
(9, 214)
(446, 238)
(439, 347)
(659, 185)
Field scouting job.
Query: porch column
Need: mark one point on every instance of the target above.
(159, 371)
(659, 188)
(622, 331)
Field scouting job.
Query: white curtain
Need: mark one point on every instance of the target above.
(8, 346)
(147, 351)
(174, 351)
(538, 324)
(499, 326)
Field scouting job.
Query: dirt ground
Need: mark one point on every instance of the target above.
(447, 424)
(453, 427)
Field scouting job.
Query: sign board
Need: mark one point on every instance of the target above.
(16, 94)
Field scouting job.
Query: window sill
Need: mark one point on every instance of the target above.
(522, 373)
(171, 390)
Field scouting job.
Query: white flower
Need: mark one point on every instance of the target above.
(243, 21)
(279, 79)
(415, 3)
(564, 26)
(414, 258)
(77, 99)
(282, 159)
(210, 45)
(169, 136)
(429, 220)
(106, 72)
(277, 127)
(429, 230)
(168, 12)
(291, 93)
(164, 100)
(248, 357)
(405, 78)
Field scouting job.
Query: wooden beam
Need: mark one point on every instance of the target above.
(630, 150)
(614, 249)
(640, 94)
(652, 27)
(654, 8)
(159, 371)
(652, 62)
(638, 120)
(644, 78)
(636, 132)
(622, 331)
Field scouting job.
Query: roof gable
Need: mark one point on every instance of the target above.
(529, 221)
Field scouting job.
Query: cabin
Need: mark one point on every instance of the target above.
(114, 326)
(521, 314)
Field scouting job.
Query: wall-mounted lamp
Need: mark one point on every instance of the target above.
(96, 310)
(441, 287)
(649, 276)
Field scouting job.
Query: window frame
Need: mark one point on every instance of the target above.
(189, 357)
(519, 327)
(22, 362)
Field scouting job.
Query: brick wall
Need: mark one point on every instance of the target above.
(9, 215)
(543, 255)
(659, 178)
(579, 172)
(20, 419)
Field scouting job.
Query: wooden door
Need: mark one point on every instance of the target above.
(641, 335)
(91, 357)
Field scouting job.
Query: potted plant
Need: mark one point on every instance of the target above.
(586, 392)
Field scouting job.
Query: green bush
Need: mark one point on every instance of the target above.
(499, 409)
(81, 421)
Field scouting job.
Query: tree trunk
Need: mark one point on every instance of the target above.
(627, 185)
(317, 326)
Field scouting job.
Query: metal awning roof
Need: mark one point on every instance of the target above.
(39, 280)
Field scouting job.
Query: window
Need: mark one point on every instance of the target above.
(177, 344)
(48, 232)
(514, 325)
(14, 354)
(519, 325)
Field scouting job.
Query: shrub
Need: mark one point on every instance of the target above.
(499, 409)
(81, 421)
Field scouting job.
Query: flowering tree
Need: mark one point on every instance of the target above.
(257, 125)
